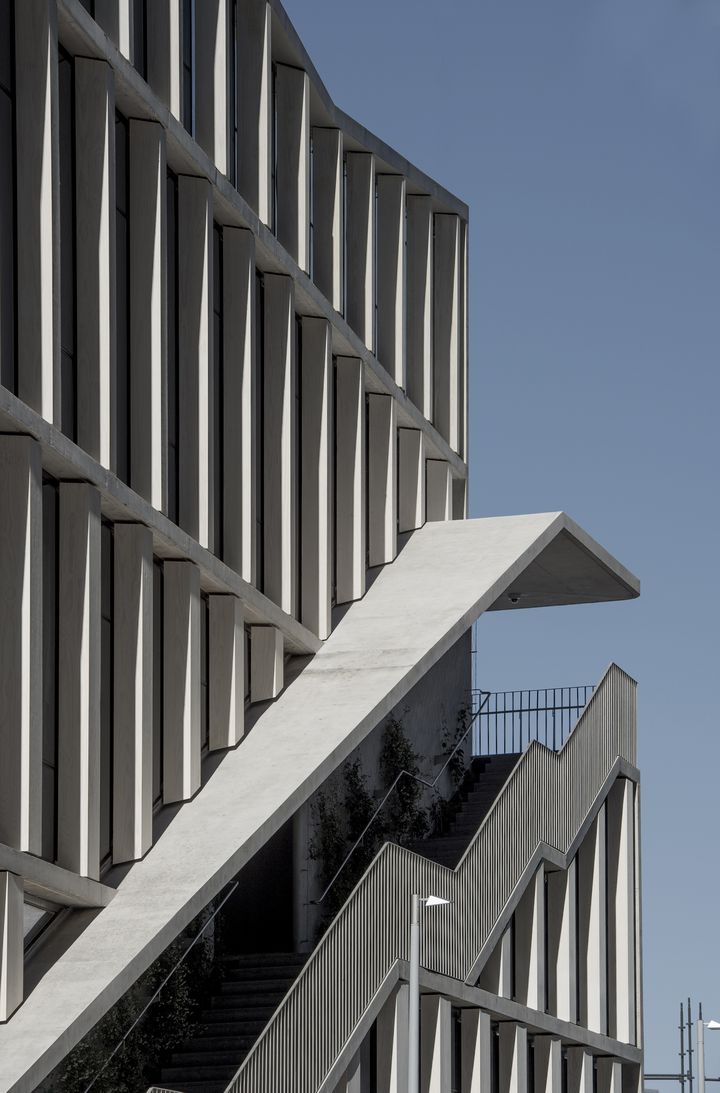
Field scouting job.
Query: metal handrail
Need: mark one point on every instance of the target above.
(416, 778)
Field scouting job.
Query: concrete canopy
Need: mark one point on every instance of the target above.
(417, 608)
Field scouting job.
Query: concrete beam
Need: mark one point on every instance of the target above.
(562, 942)
(476, 1052)
(211, 80)
(547, 1060)
(391, 275)
(411, 480)
(279, 442)
(420, 302)
(438, 490)
(148, 311)
(513, 1058)
(181, 680)
(392, 1043)
(446, 328)
(21, 679)
(254, 105)
(239, 379)
(349, 480)
(132, 692)
(226, 671)
(164, 52)
(316, 475)
(382, 479)
(95, 258)
(266, 663)
(327, 208)
(11, 944)
(529, 937)
(435, 1043)
(292, 170)
(360, 245)
(37, 206)
(79, 672)
(195, 329)
(621, 911)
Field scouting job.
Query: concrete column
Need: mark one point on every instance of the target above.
(459, 498)
(349, 480)
(164, 52)
(95, 257)
(420, 302)
(609, 1075)
(316, 471)
(327, 199)
(592, 927)
(266, 663)
(279, 441)
(181, 680)
(562, 942)
(435, 1043)
(382, 479)
(530, 944)
(21, 684)
(116, 19)
(411, 480)
(497, 974)
(360, 244)
(11, 944)
(226, 675)
(392, 1043)
(629, 1076)
(239, 380)
(148, 306)
(438, 487)
(37, 182)
(195, 354)
(446, 327)
(621, 910)
(132, 692)
(476, 1049)
(391, 275)
(211, 83)
(254, 105)
(79, 674)
(548, 1064)
(292, 169)
(579, 1071)
(513, 1058)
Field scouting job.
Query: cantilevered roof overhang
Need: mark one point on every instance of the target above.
(446, 576)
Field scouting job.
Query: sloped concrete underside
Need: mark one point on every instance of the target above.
(444, 578)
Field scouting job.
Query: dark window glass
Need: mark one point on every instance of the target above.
(106, 697)
(218, 438)
(188, 55)
(140, 36)
(247, 665)
(8, 376)
(456, 1050)
(68, 376)
(50, 669)
(530, 1065)
(259, 434)
(157, 683)
(204, 673)
(495, 1060)
(122, 296)
(173, 389)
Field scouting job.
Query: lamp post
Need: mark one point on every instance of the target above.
(713, 1026)
(414, 999)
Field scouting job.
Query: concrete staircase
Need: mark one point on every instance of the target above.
(251, 989)
(488, 776)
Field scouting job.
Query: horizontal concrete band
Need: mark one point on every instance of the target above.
(412, 614)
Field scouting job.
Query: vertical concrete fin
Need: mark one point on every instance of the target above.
(226, 676)
(316, 475)
(11, 944)
(391, 275)
(420, 264)
(360, 245)
(181, 683)
(349, 479)
(292, 185)
(327, 211)
(382, 479)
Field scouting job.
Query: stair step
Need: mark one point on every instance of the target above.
(199, 1073)
(263, 960)
(228, 1032)
(211, 1057)
(246, 1001)
(197, 1087)
(244, 974)
(251, 987)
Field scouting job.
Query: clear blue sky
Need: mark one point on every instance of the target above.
(585, 136)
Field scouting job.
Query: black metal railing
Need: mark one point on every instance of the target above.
(509, 720)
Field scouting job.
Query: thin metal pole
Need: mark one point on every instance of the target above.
(414, 999)
(701, 1053)
(682, 1049)
(690, 1047)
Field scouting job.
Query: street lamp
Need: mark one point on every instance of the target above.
(713, 1026)
(414, 999)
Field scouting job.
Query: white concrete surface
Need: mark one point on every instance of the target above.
(391, 275)
(530, 944)
(181, 680)
(292, 171)
(350, 512)
(164, 52)
(476, 1048)
(435, 1043)
(266, 663)
(382, 479)
(392, 1043)
(226, 672)
(316, 512)
(360, 244)
(497, 974)
(254, 107)
(513, 1058)
(414, 611)
(592, 927)
(11, 944)
(548, 1064)
(420, 302)
(327, 199)
(562, 942)
(579, 1070)
(438, 490)
(211, 80)
(411, 480)
(446, 328)
(621, 910)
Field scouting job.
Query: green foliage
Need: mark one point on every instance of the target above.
(406, 818)
(165, 1026)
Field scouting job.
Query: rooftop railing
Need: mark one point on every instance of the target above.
(507, 721)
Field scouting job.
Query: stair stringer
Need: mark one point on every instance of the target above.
(544, 810)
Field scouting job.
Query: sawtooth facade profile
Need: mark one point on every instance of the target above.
(237, 591)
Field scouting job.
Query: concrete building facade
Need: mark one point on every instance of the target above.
(233, 497)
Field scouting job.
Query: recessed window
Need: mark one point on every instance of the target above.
(37, 916)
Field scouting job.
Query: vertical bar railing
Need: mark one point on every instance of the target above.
(511, 720)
